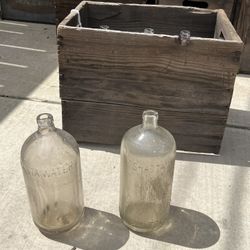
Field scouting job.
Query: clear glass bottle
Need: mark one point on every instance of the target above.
(147, 166)
(149, 31)
(50, 160)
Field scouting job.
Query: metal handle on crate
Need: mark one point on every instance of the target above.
(74, 11)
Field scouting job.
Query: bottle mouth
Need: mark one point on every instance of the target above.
(150, 113)
(149, 30)
(150, 118)
(45, 120)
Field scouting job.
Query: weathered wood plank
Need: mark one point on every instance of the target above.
(106, 123)
(242, 25)
(63, 7)
(225, 28)
(241, 18)
(128, 68)
(227, 5)
(162, 20)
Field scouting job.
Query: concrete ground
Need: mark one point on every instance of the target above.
(211, 194)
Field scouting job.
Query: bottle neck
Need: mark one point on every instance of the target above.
(45, 123)
(150, 119)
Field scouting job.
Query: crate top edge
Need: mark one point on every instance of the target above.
(61, 29)
(64, 24)
(187, 8)
(83, 3)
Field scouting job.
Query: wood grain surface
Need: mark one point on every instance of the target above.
(227, 5)
(106, 124)
(162, 20)
(242, 25)
(115, 72)
(28, 10)
(63, 7)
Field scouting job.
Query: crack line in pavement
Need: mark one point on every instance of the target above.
(237, 126)
(30, 99)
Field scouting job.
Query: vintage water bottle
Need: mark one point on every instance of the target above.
(50, 160)
(147, 166)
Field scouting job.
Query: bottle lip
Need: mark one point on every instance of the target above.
(45, 120)
(149, 30)
(150, 113)
(150, 119)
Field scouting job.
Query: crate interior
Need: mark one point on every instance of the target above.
(167, 20)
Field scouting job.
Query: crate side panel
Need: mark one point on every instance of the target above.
(106, 124)
(125, 69)
(227, 5)
(63, 7)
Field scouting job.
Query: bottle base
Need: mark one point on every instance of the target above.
(61, 229)
(142, 230)
(144, 217)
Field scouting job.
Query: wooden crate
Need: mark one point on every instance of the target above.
(63, 7)
(28, 10)
(227, 5)
(108, 77)
(242, 25)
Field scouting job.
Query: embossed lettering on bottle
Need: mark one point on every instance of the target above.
(64, 169)
(147, 165)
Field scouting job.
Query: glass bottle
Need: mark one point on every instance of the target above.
(149, 31)
(104, 27)
(147, 166)
(50, 160)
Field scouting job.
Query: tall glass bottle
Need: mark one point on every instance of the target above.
(50, 160)
(147, 166)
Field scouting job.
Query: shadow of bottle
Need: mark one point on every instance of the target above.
(187, 228)
(97, 230)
